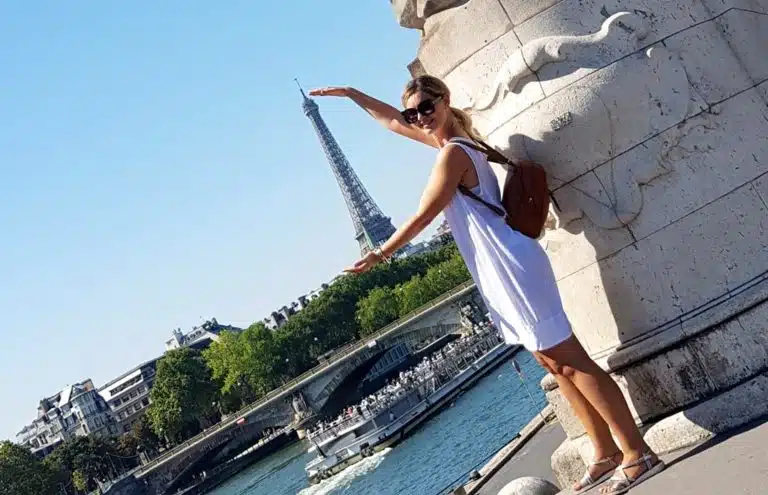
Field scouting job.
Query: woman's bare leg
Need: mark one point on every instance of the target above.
(572, 362)
(597, 429)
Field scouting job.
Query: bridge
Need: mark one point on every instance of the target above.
(313, 393)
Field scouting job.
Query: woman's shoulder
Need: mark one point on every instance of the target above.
(454, 154)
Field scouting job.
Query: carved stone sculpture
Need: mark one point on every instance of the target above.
(534, 55)
(414, 13)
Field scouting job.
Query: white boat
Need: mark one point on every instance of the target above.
(393, 423)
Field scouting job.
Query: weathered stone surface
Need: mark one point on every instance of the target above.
(718, 7)
(617, 358)
(731, 353)
(697, 48)
(601, 121)
(580, 17)
(747, 35)
(721, 309)
(582, 244)
(565, 414)
(529, 486)
(696, 259)
(696, 162)
(522, 10)
(763, 90)
(416, 69)
(732, 409)
(755, 322)
(480, 71)
(761, 185)
(454, 35)
(589, 310)
(664, 383)
(414, 13)
(579, 242)
(562, 60)
(568, 461)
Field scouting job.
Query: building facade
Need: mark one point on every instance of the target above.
(128, 395)
(279, 317)
(77, 410)
(199, 337)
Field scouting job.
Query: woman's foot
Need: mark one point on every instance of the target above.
(597, 472)
(632, 473)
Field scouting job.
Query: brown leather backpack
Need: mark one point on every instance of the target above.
(525, 197)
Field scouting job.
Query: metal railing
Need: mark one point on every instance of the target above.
(340, 353)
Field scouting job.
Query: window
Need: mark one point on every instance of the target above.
(145, 401)
(116, 402)
(125, 385)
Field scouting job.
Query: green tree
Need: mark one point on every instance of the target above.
(378, 309)
(85, 460)
(183, 394)
(79, 480)
(143, 437)
(438, 280)
(250, 357)
(247, 365)
(22, 474)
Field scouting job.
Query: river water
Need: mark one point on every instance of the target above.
(433, 459)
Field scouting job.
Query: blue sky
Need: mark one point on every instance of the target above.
(157, 171)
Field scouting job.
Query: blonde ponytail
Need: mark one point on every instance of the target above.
(465, 121)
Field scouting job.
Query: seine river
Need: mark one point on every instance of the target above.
(432, 460)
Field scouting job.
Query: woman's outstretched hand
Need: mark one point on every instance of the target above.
(364, 264)
(332, 91)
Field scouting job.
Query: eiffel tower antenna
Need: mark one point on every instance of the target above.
(296, 79)
(372, 228)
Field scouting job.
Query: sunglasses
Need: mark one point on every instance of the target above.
(426, 107)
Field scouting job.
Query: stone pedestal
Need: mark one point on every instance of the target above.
(651, 118)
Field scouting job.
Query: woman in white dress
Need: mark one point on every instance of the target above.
(511, 271)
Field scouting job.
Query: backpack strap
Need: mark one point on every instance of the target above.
(493, 156)
(491, 153)
(464, 189)
(467, 192)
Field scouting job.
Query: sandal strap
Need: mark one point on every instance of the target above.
(605, 460)
(645, 459)
(587, 479)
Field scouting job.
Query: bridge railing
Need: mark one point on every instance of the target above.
(340, 353)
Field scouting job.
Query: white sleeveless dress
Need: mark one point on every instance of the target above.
(512, 271)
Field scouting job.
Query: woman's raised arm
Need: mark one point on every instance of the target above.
(385, 114)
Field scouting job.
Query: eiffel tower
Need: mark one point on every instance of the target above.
(372, 228)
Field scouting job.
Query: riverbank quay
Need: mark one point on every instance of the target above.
(732, 463)
(526, 455)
